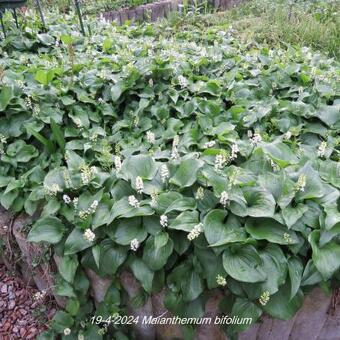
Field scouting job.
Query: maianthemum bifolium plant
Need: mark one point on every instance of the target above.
(192, 160)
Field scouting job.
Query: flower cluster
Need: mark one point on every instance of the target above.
(174, 151)
(118, 163)
(75, 203)
(287, 238)
(264, 298)
(87, 173)
(287, 135)
(224, 198)
(89, 235)
(199, 195)
(255, 139)
(93, 138)
(150, 137)
(133, 201)
(67, 331)
(3, 139)
(67, 179)
(233, 178)
(20, 83)
(84, 214)
(163, 221)
(154, 197)
(67, 199)
(234, 151)
(139, 184)
(301, 183)
(274, 165)
(221, 281)
(322, 149)
(36, 110)
(39, 296)
(78, 123)
(195, 232)
(134, 244)
(183, 82)
(220, 161)
(164, 173)
(52, 190)
(209, 144)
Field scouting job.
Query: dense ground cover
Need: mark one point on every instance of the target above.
(188, 157)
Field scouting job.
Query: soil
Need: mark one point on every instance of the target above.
(23, 313)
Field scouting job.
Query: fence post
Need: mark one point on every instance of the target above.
(2, 24)
(80, 17)
(37, 2)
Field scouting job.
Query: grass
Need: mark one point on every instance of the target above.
(277, 23)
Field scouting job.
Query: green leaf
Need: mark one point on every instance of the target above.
(192, 286)
(218, 232)
(295, 269)
(62, 320)
(281, 306)
(329, 114)
(46, 39)
(117, 90)
(186, 221)
(111, 257)
(47, 229)
(314, 187)
(67, 267)
(270, 230)
(330, 172)
(129, 229)
(182, 204)
(292, 215)
(243, 308)
(122, 209)
(6, 95)
(76, 242)
(142, 273)
(280, 186)
(332, 216)
(96, 250)
(139, 165)
(275, 266)
(72, 307)
(102, 215)
(155, 255)
(58, 134)
(280, 153)
(244, 264)
(66, 39)
(259, 203)
(212, 266)
(44, 77)
(186, 174)
(326, 258)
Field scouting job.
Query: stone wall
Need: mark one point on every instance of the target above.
(318, 319)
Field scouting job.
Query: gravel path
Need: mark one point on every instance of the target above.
(23, 312)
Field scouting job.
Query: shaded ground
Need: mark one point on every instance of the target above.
(23, 312)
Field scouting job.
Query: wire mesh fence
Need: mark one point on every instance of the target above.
(92, 6)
